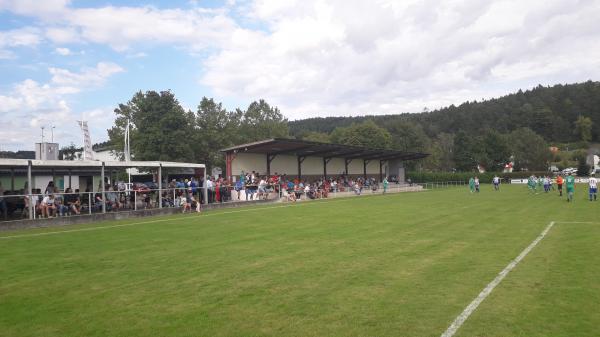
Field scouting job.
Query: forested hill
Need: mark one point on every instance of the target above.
(549, 111)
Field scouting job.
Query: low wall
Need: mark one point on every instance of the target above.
(96, 217)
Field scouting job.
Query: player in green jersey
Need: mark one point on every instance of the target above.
(570, 182)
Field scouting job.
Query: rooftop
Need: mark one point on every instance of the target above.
(303, 148)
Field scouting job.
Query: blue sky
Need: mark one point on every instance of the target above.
(61, 60)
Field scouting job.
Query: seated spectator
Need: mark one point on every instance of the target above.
(112, 199)
(59, 201)
(183, 202)
(298, 190)
(99, 201)
(72, 201)
(48, 206)
(262, 188)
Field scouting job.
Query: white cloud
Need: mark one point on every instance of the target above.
(123, 27)
(30, 104)
(351, 57)
(63, 51)
(65, 80)
(340, 57)
(22, 37)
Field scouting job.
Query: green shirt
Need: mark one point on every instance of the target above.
(570, 181)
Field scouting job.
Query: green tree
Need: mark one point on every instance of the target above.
(583, 168)
(443, 152)
(408, 136)
(366, 134)
(529, 150)
(463, 152)
(216, 128)
(160, 128)
(314, 136)
(497, 150)
(69, 152)
(261, 121)
(583, 128)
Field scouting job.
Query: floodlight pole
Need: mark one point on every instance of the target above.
(103, 189)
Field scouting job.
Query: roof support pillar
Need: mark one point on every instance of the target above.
(103, 189)
(346, 163)
(326, 161)
(229, 157)
(204, 189)
(160, 186)
(270, 158)
(29, 188)
(300, 161)
(12, 180)
(70, 177)
(365, 163)
(381, 170)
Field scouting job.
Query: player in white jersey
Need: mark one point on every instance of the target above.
(593, 184)
(496, 182)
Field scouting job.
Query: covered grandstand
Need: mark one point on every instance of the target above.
(307, 159)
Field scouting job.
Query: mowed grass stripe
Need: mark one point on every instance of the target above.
(387, 266)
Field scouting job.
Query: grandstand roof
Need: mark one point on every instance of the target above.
(303, 148)
(14, 163)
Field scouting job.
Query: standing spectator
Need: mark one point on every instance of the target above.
(385, 185)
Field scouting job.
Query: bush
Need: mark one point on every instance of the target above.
(425, 177)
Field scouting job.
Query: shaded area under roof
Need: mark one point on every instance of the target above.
(303, 148)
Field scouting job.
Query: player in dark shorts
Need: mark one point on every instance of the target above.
(559, 183)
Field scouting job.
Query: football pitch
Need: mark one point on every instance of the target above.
(403, 264)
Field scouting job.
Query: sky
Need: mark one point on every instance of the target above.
(63, 61)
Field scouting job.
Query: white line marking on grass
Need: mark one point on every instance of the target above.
(172, 219)
(583, 222)
(488, 289)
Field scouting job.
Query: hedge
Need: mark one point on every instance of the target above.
(425, 177)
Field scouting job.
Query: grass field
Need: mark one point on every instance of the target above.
(396, 265)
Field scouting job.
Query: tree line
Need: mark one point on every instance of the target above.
(518, 127)
(161, 129)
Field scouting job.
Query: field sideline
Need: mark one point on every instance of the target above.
(398, 265)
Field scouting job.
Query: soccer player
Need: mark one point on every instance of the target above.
(546, 184)
(570, 182)
(593, 183)
(496, 182)
(472, 185)
(477, 184)
(559, 183)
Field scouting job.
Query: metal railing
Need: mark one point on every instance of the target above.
(88, 203)
(441, 184)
